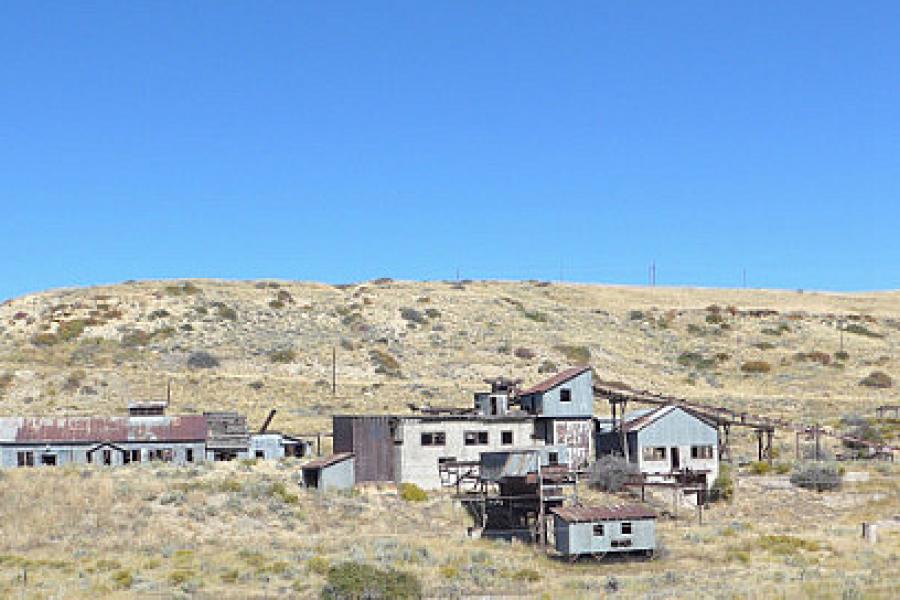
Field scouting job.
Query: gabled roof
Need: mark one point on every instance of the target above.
(644, 419)
(588, 514)
(558, 379)
(321, 463)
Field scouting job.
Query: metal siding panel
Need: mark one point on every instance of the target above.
(582, 403)
(370, 439)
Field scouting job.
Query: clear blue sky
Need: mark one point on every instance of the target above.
(341, 141)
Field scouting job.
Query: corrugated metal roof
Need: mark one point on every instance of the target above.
(647, 418)
(559, 378)
(81, 430)
(321, 463)
(586, 514)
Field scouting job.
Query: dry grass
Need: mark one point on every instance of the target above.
(239, 531)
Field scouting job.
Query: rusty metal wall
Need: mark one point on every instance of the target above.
(371, 439)
(578, 435)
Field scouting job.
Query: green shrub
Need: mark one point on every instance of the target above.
(182, 289)
(696, 360)
(529, 575)
(760, 468)
(535, 315)
(610, 473)
(783, 468)
(764, 345)
(636, 315)
(412, 493)
(715, 319)
(862, 330)
(226, 312)
(787, 544)
(524, 353)
(877, 379)
(202, 360)
(413, 316)
(351, 580)
(841, 355)
(318, 565)
(230, 576)
(385, 363)
(180, 576)
(123, 579)
(276, 304)
(577, 355)
(282, 356)
(70, 330)
(547, 367)
(723, 486)
(817, 476)
(279, 490)
(777, 331)
(756, 367)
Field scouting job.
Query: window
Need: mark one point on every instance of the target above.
(565, 395)
(553, 458)
(598, 530)
(107, 457)
(25, 458)
(506, 438)
(655, 453)
(621, 543)
(189, 454)
(475, 438)
(48, 460)
(258, 454)
(626, 528)
(434, 438)
(135, 455)
(701, 452)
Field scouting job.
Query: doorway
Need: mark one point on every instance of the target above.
(676, 460)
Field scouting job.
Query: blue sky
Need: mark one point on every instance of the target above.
(341, 141)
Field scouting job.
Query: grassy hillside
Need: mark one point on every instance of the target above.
(244, 530)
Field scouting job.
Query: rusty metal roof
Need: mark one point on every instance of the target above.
(82, 430)
(587, 514)
(647, 418)
(321, 463)
(559, 378)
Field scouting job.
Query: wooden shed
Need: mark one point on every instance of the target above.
(598, 530)
(335, 472)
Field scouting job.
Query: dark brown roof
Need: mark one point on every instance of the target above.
(587, 514)
(656, 413)
(559, 378)
(41, 430)
(321, 463)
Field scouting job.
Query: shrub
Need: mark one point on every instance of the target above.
(715, 319)
(760, 468)
(819, 357)
(70, 330)
(578, 355)
(529, 575)
(123, 579)
(282, 356)
(547, 367)
(610, 473)
(276, 304)
(432, 313)
(877, 379)
(783, 468)
(412, 493)
(777, 331)
(862, 330)
(385, 363)
(723, 486)
(756, 366)
(535, 315)
(817, 476)
(695, 360)
(202, 360)
(182, 289)
(524, 353)
(413, 316)
(318, 565)
(787, 544)
(842, 355)
(864, 431)
(636, 315)
(180, 576)
(226, 312)
(351, 580)
(764, 345)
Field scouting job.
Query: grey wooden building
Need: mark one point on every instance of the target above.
(665, 443)
(335, 472)
(599, 530)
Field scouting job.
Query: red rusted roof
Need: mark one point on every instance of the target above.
(321, 463)
(587, 514)
(111, 429)
(559, 378)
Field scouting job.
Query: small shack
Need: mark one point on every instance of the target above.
(335, 472)
(598, 530)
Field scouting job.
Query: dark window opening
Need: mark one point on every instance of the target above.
(136, 456)
(311, 478)
(48, 459)
(224, 455)
(553, 458)
(260, 454)
(475, 438)
(598, 530)
(506, 437)
(25, 459)
(701, 452)
(189, 454)
(107, 457)
(565, 395)
(434, 438)
(626, 528)
(621, 543)
(446, 459)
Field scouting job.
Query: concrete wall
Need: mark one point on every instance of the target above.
(682, 430)
(419, 464)
(579, 538)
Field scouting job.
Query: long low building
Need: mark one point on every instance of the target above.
(145, 435)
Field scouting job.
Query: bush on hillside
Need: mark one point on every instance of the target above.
(352, 581)
(756, 367)
(819, 476)
(877, 379)
(202, 360)
(412, 493)
(611, 472)
(723, 486)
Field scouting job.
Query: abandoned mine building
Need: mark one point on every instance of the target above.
(411, 448)
(668, 444)
(599, 530)
(335, 472)
(147, 434)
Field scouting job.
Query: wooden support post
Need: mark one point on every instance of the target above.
(818, 443)
(699, 510)
(318, 444)
(624, 437)
(759, 445)
(769, 434)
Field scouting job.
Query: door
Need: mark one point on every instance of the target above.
(676, 460)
